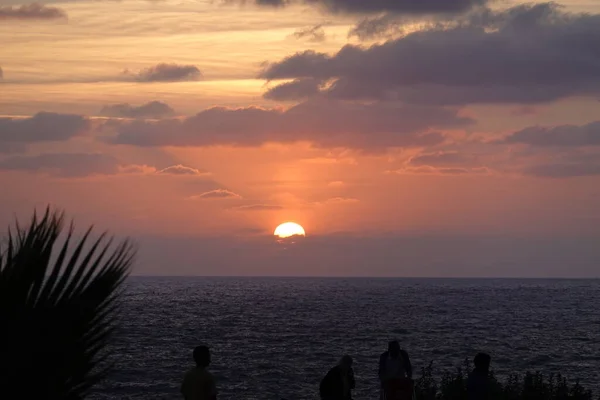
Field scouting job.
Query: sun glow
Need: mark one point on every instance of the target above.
(289, 229)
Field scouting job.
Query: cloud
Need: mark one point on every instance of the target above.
(142, 169)
(314, 34)
(526, 54)
(216, 194)
(324, 123)
(153, 109)
(378, 6)
(524, 111)
(564, 170)
(181, 170)
(559, 136)
(32, 12)
(442, 159)
(42, 127)
(429, 170)
(258, 207)
(340, 200)
(298, 89)
(377, 27)
(64, 164)
(336, 184)
(167, 73)
(1, 73)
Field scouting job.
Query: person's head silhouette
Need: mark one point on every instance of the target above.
(202, 356)
(346, 362)
(394, 349)
(482, 362)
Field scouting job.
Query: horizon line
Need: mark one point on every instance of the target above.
(369, 277)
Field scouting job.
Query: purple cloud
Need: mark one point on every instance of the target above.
(325, 123)
(559, 136)
(313, 34)
(153, 109)
(378, 6)
(43, 127)
(63, 164)
(32, 12)
(526, 54)
(298, 89)
(168, 73)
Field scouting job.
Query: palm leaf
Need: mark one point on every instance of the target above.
(57, 312)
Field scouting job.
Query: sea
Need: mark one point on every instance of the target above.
(275, 338)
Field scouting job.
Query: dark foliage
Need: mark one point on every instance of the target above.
(57, 311)
(531, 386)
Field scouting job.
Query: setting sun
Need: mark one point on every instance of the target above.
(289, 229)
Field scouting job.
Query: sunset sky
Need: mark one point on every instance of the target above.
(429, 138)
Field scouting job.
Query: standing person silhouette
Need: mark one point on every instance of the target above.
(198, 383)
(478, 383)
(395, 373)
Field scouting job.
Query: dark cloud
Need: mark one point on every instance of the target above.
(442, 159)
(565, 135)
(526, 54)
(429, 170)
(8, 147)
(413, 7)
(564, 170)
(42, 127)
(167, 73)
(298, 89)
(216, 194)
(258, 207)
(153, 109)
(32, 12)
(181, 170)
(324, 123)
(313, 34)
(63, 164)
(377, 27)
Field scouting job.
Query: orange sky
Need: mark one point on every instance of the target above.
(415, 147)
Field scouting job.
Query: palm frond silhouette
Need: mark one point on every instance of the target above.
(57, 309)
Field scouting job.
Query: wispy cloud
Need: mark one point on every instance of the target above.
(32, 12)
(166, 73)
(216, 194)
(153, 109)
(258, 207)
(181, 170)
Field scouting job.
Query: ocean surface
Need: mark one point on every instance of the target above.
(274, 338)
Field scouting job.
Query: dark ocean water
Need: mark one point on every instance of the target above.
(274, 338)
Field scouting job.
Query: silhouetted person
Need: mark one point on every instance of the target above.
(339, 381)
(198, 383)
(395, 373)
(478, 384)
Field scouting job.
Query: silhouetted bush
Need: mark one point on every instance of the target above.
(530, 386)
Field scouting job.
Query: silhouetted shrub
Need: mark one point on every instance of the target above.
(530, 386)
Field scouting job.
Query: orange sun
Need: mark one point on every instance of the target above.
(289, 229)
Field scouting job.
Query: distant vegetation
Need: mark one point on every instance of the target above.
(530, 386)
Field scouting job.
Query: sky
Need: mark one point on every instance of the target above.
(440, 138)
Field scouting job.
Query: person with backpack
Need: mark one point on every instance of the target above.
(395, 373)
(339, 381)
